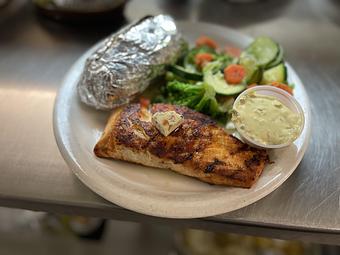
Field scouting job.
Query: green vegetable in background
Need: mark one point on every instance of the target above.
(204, 87)
(200, 97)
(208, 103)
(181, 93)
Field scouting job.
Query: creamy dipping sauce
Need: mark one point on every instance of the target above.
(266, 120)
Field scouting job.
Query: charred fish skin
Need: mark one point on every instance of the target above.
(198, 148)
(127, 61)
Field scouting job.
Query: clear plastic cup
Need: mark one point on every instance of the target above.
(285, 98)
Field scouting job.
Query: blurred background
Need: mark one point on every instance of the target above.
(38, 233)
(47, 36)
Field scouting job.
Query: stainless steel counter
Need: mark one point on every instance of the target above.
(36, 53)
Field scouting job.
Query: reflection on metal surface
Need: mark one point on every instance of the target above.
(328, 9)
(198, 242)
(225, 12)
(17, 94)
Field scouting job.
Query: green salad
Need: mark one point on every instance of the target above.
(208, 79)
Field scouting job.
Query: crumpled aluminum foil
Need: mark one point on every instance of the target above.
(126, 62)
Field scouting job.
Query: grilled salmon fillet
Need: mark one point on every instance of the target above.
(198, 148)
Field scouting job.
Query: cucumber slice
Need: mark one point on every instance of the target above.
(253, 71)
(275, 74)
(221, 86)
(277, 60)
(263, 49)
(185, 74)
(257, 76)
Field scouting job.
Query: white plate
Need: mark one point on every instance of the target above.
(161, 192)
